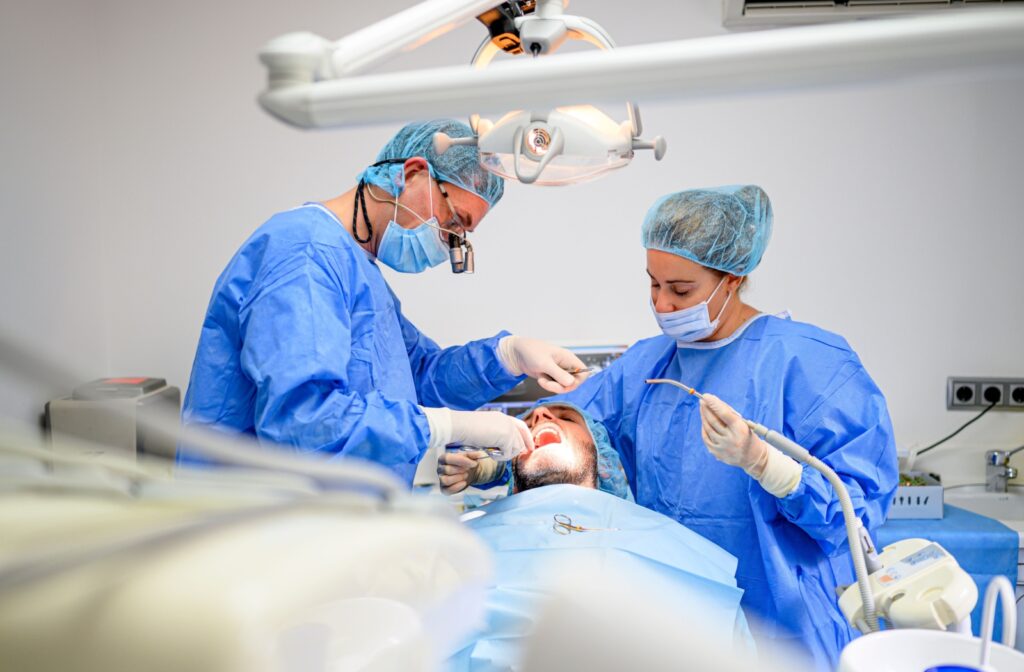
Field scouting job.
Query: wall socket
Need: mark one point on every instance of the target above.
(976, 393)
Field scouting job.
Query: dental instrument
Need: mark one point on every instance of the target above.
(572, 372)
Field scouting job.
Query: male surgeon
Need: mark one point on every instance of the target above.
(304, 345)
(572, 513)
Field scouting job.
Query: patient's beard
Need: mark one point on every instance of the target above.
(583, 474)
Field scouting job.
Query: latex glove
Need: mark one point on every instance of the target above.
(479, 429)
(458, 470)
(729, 438)
(548, 363)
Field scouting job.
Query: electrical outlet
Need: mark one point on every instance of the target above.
(967, 393)
(960, 393)
(1016, 395)
(992, 393)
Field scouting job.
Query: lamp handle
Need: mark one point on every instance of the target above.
(557, 145)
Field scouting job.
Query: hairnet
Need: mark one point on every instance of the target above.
(460, 165)
(725, 228)
(611, 477)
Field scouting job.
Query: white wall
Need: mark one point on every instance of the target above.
(127, 189)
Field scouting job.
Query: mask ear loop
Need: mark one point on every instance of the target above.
(430, 195)
(727, 300)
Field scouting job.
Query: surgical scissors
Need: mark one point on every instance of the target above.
(563, 525)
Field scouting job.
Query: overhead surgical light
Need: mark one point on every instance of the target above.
(316, 83)
(568, 144)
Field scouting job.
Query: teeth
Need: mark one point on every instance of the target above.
(546, 436)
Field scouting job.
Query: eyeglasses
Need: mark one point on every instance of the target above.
(454, 224)
(453, 234)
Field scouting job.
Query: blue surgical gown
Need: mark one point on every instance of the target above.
(304, 345)
(792, 377)
(653, 553)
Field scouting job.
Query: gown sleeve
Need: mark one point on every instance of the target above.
(296, 332)
(850, 430)
(462, 377)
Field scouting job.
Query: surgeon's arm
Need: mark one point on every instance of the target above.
(850, 431)
(461, 377)
(297, 348)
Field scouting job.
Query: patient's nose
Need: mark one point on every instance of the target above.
(540, 415)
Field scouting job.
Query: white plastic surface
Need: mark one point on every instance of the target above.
(593, 145)
(1004, 506)
(325, 585)
(918, 650)
(919, 586)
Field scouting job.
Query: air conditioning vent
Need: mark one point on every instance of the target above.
(744, 13)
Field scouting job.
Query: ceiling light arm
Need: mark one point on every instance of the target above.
(304, 58)
(698, 69)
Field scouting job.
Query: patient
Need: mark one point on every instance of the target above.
(564, 452)
(570, 512)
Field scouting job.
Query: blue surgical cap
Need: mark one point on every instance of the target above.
(611, 477)
(460, 165)
(725, 228)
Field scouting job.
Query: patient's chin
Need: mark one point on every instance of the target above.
(540, 469)
(547, 458)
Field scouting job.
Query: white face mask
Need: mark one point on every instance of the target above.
(692, 324)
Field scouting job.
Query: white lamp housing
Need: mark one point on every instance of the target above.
(568, 144)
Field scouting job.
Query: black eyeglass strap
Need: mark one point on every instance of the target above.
(361, 204)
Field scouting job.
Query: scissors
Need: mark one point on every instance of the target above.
(563, 525)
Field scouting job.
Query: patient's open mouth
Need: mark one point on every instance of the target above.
(546, 436)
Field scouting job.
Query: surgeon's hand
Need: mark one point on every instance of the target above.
(729, 438)
(478, 429)
(491, 429)
(458, 470)
(548, 363)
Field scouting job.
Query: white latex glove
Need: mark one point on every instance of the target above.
(728, 437)
(548, 363)
(479, 429)
(731, 440)
(458, 470)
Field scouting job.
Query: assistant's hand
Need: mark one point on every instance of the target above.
(548, 363)
(729, 438)
(457, 470)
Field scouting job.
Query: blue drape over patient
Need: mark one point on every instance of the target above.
(630, 541)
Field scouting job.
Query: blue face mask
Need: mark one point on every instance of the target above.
(413, 250)
(692, 324)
